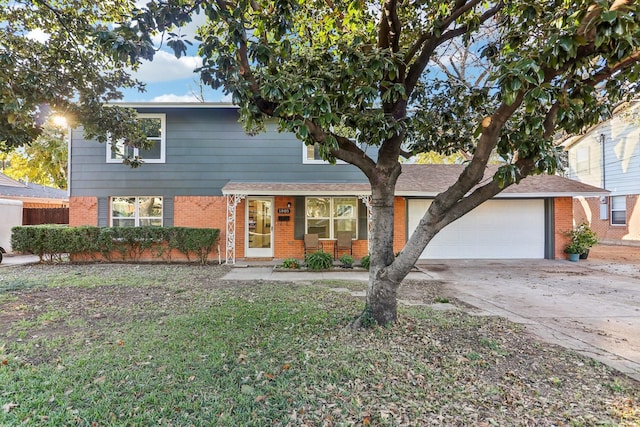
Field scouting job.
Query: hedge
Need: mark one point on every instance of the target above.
(122, 244)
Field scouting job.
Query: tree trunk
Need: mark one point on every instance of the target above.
(381, 302)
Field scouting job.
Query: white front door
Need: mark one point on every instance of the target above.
(259, 227)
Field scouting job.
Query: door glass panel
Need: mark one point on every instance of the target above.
(259, 224)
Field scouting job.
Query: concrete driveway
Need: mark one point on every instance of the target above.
(592, 307)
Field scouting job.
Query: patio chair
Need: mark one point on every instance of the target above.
(343, 243)
(312, 243)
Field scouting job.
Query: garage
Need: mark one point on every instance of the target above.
(513, 228)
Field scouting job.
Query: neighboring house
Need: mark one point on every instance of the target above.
(265, 192)
(19, 198)
(608, 156)
(32, 195)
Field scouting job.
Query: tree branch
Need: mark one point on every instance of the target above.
(432, 42)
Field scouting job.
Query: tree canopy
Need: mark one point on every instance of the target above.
(347, 75)
(63, 58)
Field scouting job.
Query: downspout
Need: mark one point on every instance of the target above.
(604, 163)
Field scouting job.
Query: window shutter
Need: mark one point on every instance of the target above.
(298, 218)
(103, 211)
(167, 211)
(363, 217)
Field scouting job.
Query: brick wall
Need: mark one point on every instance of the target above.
(587, 209)
(83, 211)
(563, 219)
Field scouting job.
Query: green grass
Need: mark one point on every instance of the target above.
(280, 354)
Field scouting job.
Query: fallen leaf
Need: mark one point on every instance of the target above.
(268, 375)
(100, 380)
(7, 407)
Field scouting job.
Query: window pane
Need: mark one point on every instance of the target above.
(153, 152)
(152, 127)
(156, 222)
(619, 203)
(318, 207)
(345, 207)
(121, 222)
(319, 227)
(313, 153)
(150, 206)
(345, 225)
(122, 151)
(123, 207)
(618, 217)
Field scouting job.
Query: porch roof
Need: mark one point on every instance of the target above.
(421, 181)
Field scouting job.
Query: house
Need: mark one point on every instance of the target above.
(265, 192)
(608, 156)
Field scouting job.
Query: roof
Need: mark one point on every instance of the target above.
(176, 105)
(16, 189)
(422, 181)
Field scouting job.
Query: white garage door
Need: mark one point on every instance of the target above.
(496, 229)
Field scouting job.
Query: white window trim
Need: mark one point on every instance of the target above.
(331, 218)
(307, 161)
(136, 216)
(618, 210)
(162, 140)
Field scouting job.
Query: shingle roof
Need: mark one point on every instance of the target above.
(423, 181)
(16, 189)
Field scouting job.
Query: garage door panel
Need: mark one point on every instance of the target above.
(495, 229)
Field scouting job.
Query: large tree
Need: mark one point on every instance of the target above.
(350, 74)
(63, 57)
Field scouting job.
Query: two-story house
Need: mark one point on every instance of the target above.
(265, 192)
(608, 156)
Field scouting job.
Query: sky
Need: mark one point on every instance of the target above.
(171, 79)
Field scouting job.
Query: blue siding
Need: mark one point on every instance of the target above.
(205, 149)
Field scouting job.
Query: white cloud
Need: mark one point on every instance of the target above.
(166, 67)
(170, 97)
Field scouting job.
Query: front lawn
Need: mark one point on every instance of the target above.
(176, 345)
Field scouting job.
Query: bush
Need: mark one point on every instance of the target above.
(291, 263)
(365, 262)
(51, 242)
(319, 261)
(346, 260)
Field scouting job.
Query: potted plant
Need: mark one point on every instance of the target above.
(581, 239)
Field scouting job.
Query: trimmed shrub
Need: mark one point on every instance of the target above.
(52, 242)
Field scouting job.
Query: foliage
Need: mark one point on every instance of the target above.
(360, 80)
(346, 260)
(52, 242)
(43, 162)
(318, 260)
(291, 263)
(581, 239)
(63, 58)
(365, 262)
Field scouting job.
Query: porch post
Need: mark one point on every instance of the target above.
(366, 199)
(232, 203)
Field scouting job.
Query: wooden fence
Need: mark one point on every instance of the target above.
(36, 216)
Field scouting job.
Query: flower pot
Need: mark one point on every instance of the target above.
(584, 255)
(574, 257)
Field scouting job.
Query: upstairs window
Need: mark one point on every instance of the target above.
(154, 126)
(136, 211)
(311, 155)
(326, 216)
(618, 210)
